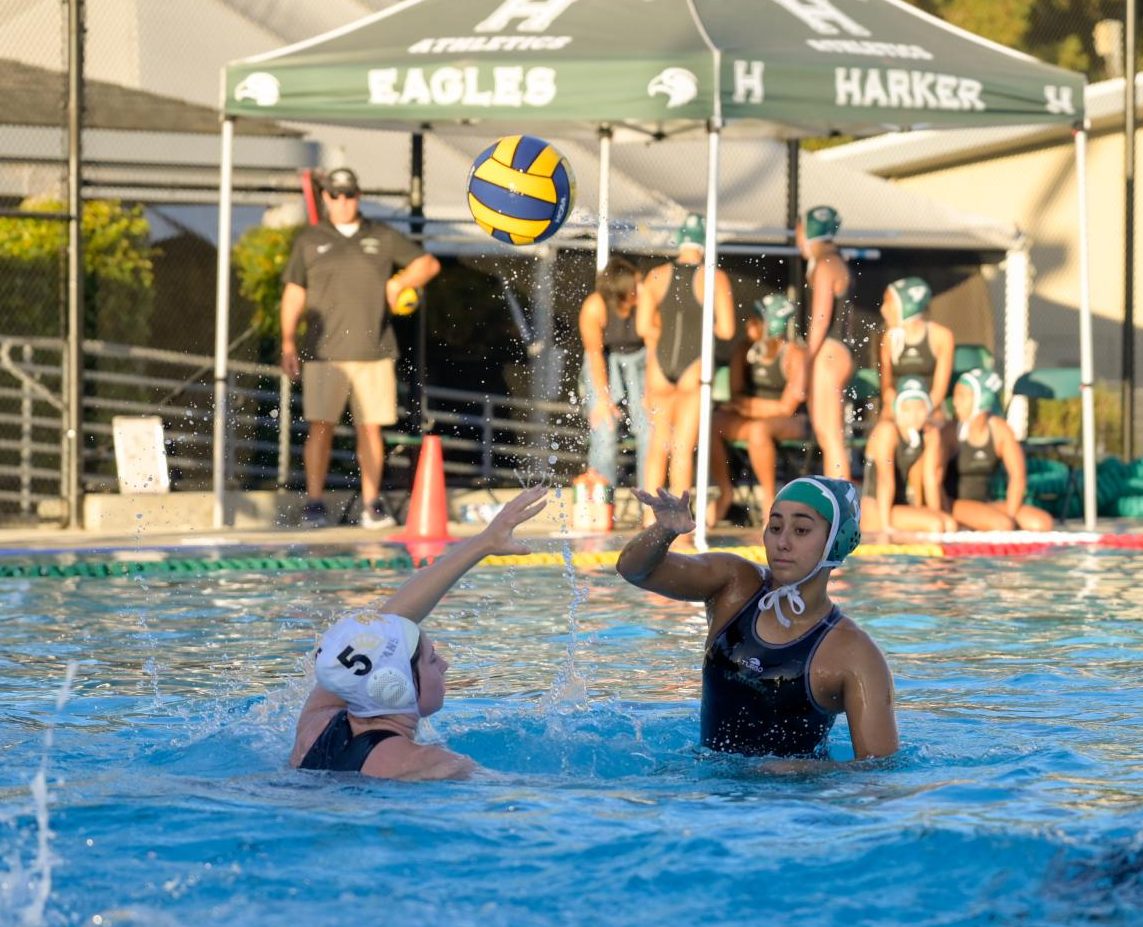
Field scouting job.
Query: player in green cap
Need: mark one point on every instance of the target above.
(781, 661)
(983, 443)
(767, 382)
(669, 319)
(904, 467)
(913, 346)
(829, 361)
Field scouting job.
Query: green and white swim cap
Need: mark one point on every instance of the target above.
(913, 296)
(692, 232)
(911, 388)
(776, 311)
(985, 385)
(837, 502)
(822, 223)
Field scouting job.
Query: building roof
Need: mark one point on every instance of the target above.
(902, 153)
(35, 96)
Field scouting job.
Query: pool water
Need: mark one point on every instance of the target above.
(1016, 797)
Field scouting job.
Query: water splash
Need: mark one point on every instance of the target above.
(569, 688)
(40, 876)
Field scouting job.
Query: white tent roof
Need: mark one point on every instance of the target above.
(650, 194)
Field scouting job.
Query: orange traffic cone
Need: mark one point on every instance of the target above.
(428, 506)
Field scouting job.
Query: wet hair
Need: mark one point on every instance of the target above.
(413, 661)
(615, 281)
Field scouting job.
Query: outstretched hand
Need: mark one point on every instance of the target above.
(672, 512)
(498, 534)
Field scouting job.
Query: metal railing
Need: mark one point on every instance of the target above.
(487, 439)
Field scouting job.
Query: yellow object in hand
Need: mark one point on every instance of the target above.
(408, 301)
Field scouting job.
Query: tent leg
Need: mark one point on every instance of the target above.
(222, 323)
(702, 465)
(603, 233)
(1015, 356)
(795, 280)
(1087, 364)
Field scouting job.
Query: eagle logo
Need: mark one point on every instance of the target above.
(260, 87)
(679, 84)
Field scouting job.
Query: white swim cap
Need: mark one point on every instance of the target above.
(365, 659)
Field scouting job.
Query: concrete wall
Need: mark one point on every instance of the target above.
(1037, 190)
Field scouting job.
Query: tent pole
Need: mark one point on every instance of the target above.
(73, 360)
(710, 265)
(1017, 275)
(222, 322)
(1087, 364)
(795, 279)
(417, 227)
(603, 233)
(1129, 235)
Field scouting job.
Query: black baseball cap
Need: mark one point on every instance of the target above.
(342, 180)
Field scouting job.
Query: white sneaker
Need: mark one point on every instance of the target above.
(376, 515)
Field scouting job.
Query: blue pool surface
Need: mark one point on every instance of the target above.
(1016, 797)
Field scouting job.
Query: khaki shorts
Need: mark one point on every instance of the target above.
(371, 387)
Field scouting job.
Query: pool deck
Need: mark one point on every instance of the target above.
(175, 535)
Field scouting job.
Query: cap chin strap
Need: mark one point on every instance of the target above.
(792, 591)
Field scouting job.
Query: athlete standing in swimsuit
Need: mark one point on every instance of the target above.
(829, 363)
(669, 319)
(781, 660)
(378, 673)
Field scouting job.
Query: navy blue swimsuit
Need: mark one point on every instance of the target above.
(756, 696)
(339, 750)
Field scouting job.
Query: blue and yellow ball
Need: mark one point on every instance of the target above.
(520, 190)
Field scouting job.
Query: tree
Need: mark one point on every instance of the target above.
(118, 271)
(1058, 32)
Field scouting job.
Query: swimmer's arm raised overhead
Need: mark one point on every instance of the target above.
(867, 698)
(646, 561)
(424, 589)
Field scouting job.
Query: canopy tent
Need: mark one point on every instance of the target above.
(657, 68)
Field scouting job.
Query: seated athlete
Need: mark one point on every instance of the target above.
(767, 382)
(377, 673)
(975, 449)
(781, 661)
(912, 346)
(904, 467)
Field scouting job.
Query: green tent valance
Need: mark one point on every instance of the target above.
(801, 67)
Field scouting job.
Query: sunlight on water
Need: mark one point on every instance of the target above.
(163, 788)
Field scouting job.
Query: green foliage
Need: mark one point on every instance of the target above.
(118, 271)
(1063, 417)
(1056, 31)
(259, 259)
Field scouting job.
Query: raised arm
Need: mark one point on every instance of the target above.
(419, 594)
(646, 561)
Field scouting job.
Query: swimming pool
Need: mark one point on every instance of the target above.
(1016, 798)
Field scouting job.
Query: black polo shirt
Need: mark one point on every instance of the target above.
(347, 317)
